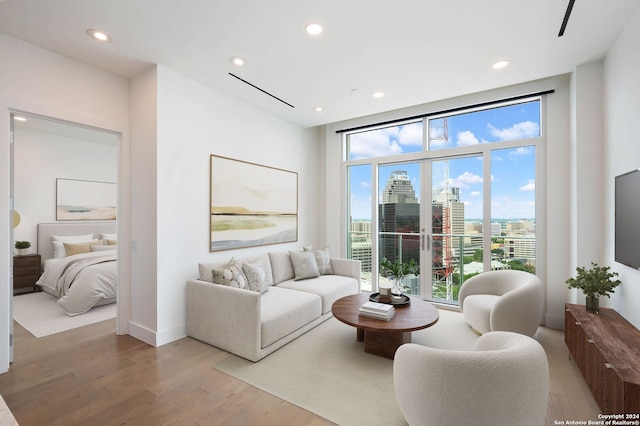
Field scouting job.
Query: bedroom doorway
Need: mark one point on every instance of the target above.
(54, 164)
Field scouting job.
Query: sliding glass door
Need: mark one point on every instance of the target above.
(444, 198)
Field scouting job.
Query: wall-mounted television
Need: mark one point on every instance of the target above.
(627, 219)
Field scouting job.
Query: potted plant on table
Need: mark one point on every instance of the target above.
(22, 247)
(594, 282)
(395, 271)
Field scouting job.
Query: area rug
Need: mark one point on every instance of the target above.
(327, 372)
(41, 316)
(6, 416)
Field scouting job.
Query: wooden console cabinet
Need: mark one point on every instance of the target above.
(606, 349)
(26, 271)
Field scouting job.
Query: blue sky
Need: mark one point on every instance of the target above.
(512, 170)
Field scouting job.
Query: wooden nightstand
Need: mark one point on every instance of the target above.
(26, 271)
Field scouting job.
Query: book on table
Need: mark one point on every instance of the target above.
(377, 310)
(377, 307)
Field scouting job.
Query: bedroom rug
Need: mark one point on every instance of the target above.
(6, 416)
(41, 316)
(327, 372)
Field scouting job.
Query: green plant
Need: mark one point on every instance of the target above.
(596, 281)
(399, 269)
(23, 244)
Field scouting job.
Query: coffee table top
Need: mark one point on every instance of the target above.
(416, 315)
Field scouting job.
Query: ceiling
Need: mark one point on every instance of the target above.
(415, 51)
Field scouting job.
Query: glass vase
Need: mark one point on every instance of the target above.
(398, 286)
(592, 304)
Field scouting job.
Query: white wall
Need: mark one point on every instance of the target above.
(622, 149)
(193, 122)
(41, 158)
(41, 82)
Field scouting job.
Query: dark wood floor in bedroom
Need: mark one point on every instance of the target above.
(90, 376)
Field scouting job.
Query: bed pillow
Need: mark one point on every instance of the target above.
(102, 248)
(304, 265)
(80, 247)
(109, 236)
(111, 242)
(323, 260)
(58, 248)
(72, 238)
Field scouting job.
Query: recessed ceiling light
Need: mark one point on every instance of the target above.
(237, 60)
(100, 35)
(19, 118)
(378, 95)
(499, 65)
(313, 29)
(318, 109)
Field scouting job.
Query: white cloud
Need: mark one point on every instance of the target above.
(521, 151)
(530, 186)
(365, 184)
(373, 144)
(465, 180)
(467, 138)
(387, 141)
(524, 130)
(410, 134)
(475, 194)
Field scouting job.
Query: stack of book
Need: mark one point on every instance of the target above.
(377, 310)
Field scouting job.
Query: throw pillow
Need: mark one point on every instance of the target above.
(323, 260)
(255, 278)
(281, 267)
(304, 265)
(231, 274)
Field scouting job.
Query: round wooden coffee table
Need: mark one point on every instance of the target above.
(381, 337)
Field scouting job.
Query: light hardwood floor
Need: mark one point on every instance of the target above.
(90, 376)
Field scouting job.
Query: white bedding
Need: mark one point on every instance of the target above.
(81, 281)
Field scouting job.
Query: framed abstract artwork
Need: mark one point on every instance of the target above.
(251, 204)
(85, 200)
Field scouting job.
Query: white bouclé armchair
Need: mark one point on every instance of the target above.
(504, 380)
(502, 301)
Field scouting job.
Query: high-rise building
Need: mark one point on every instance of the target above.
(399, 214)
(399, 189)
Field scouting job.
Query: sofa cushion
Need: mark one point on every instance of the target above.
(282, 311)
(329, 287)
(304, 265)
(255, 277)
(262, 262)
(205, 269)
(477, 311)
(281, 267)
(323, 260)
(230, 274)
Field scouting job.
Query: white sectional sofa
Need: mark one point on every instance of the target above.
(291, 298)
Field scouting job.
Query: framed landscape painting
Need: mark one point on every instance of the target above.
(85, 200)
(251, 204)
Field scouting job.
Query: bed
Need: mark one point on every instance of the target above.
(79, 264)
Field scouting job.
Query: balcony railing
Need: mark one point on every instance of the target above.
(454, 258)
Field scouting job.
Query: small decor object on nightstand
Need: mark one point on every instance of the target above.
(594, 282)
(23, 247)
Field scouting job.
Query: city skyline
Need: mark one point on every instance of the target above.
(512, 170)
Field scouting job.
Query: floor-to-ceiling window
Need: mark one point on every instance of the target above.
(450, 195)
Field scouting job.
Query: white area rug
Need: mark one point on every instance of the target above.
(41, 316)
(327, 372)
(6, 416)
